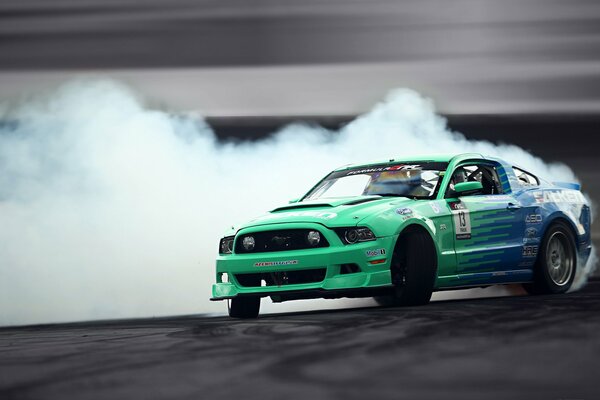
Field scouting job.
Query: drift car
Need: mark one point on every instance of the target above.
(400, 229)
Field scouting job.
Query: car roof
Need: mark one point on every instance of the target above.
(423, 158)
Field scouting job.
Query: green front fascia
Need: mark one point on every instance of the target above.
(331, 258)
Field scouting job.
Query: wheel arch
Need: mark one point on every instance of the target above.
(412, 229)
(413, 273)
(542, 282)
(560, 218)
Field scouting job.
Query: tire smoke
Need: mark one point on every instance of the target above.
(111, 209)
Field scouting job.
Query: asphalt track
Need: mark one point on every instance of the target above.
(519, 347)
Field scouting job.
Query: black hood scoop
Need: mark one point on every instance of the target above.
(335, 203)
(298, 206)
(360, 201)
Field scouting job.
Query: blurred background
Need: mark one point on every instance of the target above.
(525, 72)
(522, 71)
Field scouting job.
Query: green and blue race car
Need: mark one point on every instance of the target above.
(400, 229)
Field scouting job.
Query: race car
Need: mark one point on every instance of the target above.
(400, 229)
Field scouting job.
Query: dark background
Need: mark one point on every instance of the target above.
(471, 56)
(38, 34)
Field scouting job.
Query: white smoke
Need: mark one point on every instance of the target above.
(586, 270)
(110, 209)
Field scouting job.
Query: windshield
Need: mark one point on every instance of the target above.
(414, 180)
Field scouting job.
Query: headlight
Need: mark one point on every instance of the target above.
(249, 243)
(313, 238)
(226, 245)
(355, 235)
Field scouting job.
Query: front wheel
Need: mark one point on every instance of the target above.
(243, 307)
(554, 269)
(413, 270)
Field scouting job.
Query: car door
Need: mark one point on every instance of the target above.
(488, 225)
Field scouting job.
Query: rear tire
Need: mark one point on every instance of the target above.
(413, 270)
(243, 307)
(554, 269)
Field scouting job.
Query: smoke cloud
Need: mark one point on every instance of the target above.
(112, 209)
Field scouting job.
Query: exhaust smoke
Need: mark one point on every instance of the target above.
(111, 209)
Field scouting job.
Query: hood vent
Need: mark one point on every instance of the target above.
(360, 201)
(297, 206)
(325, 205)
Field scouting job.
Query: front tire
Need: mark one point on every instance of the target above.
(556, 262)
(413, 270)
(243, 307)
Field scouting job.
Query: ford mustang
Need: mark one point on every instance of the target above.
(400, 229)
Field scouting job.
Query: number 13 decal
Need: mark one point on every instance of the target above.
(462, 219)
(462, 224)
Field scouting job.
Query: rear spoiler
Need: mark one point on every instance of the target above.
(568, 185)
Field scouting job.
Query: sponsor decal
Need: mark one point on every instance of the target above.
(558, 196)
(435, 207)
(539, 197)
(462, 221)
(531, 236)
(399, 167)
(531, 232)
(533, 219)
(404, 211)
(275, 263)
(530, 251)
(375, 253)
(497, 197)
(457, 205)
(526, 263)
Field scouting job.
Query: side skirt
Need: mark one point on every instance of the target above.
(451, 282)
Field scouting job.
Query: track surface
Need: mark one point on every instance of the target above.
(521, 347)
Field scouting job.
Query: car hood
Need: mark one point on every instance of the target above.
(348, 211)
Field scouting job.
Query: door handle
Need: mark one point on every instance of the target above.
(513, 206)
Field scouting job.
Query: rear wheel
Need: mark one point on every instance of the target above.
(554, 269)
(413, 270)
(243, 307)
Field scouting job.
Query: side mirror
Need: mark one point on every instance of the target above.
(294, 201)
(467, 188)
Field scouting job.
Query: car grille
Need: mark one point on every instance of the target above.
(282, 240)
(281, 278)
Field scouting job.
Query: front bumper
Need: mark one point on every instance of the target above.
(372, 258)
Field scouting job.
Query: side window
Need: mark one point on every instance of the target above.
(525, 178)
(486, 174)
